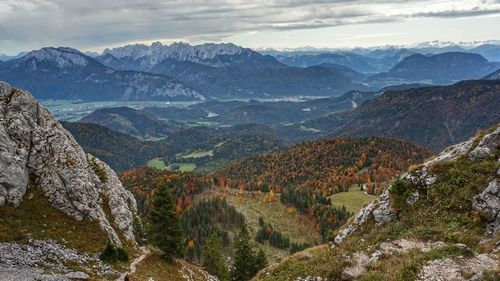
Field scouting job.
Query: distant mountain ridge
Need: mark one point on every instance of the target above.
(180, 71)
(120, 151)
(439, 69)
(229, 71)
(434, 117)
(131, 121)
(146, 57)
(494, 75)
(66, 73)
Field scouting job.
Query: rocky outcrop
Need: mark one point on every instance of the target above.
(28, 261)
(488, 201)
(35, 148)
(360, 261)
(486, 146)
(455, 269)
(379, 211)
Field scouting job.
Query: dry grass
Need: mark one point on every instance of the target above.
(154, 266)
(36, 218)
(317, 261)
(289, 222)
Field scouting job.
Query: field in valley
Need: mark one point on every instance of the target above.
(353, 200)
(157, 163)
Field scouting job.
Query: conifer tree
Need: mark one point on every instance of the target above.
(260, 261)
(246, 262)
(164, 228)
(213, 260)
(244, 266)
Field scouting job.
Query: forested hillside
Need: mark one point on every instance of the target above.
(110, 146)
(437, 221)
(331, 165)
(131, 121)
(434, 117)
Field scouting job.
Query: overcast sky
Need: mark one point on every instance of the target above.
(95, 24)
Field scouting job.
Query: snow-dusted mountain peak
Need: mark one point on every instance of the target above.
(62, 57)
(178, 50)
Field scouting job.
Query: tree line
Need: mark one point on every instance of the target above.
(276, 239)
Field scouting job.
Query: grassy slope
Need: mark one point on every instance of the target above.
(447, 217)
(154, 266)
(157, 163)
(37, 219)
(354, 200)
(289, 222)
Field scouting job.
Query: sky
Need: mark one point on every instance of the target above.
(92, 25)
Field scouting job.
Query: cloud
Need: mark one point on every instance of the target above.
(94, 23)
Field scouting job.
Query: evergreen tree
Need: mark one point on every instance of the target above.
(244, 266)
(213, 261)
(164, 228)
(260, 261)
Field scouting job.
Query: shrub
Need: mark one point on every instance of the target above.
(400, 190)
(98, 169)
(113, 254)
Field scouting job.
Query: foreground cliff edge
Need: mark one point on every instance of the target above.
(438, 221)
(61, 207)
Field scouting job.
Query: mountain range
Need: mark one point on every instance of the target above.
(434, 117)
(65, 73)
(229, 71)
(180, 72)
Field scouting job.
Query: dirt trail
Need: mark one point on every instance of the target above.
(134, 263)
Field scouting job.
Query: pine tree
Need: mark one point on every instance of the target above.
(244, 267)
(213, 261)
(164, 228)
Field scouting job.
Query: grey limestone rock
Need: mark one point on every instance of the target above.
(489, 202)
(35, 147)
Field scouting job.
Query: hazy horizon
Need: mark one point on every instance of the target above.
(92, 26)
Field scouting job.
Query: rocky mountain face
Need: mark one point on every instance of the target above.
(60, 208)
(422, 181)
(38, 156)
(439, 221)
(65, 73)
(36, 147)
(142, 57)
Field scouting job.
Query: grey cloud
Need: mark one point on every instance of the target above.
(96, 23)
